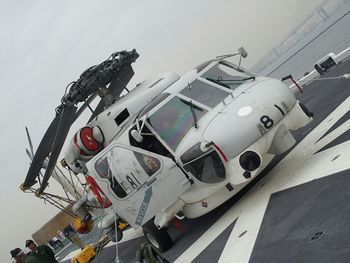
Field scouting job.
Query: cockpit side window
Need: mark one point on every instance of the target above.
(150, 142)
(206, 166)
(150, 164)
(207, 169)
(204, 93)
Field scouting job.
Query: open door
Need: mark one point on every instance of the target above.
(139, 183)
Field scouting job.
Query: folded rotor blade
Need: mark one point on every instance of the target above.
(84, 106)
(100, 108)
(115, 88)
(42, 152)
(117, 85)
(125, 73)
(115, 71)
(66, 119)
(30, 144)
(29, 154)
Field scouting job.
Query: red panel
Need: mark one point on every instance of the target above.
(86, 135)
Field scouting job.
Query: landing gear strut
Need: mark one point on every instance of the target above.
(159, 238)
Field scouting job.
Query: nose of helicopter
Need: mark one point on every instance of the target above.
(249, 116)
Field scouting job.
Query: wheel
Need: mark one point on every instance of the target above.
(112, 237)
(119, 234)
(306, 110)
(159, 238)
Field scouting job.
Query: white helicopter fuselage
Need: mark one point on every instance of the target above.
(189, 144)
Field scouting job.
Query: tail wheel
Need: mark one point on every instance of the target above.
(306, 110)
(119, 234)
(159, 238)
(113, 236)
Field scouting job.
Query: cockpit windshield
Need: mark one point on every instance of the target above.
(158, 99)
(226, 75)
(174, 119)
(204, 93)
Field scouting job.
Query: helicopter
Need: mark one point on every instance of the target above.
(172, 147)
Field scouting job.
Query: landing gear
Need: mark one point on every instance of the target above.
(306, 110)
(148, 254)
(113, 236)
(159, 238)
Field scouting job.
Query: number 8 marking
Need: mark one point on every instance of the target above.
(266, 121)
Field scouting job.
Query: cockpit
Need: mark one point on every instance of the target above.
(179, 114)
(163, 124)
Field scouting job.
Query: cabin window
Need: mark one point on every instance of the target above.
(174, 119)
(204, 93)
(122, 117)
(103, 170)
(150, 164)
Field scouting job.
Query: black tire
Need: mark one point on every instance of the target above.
(115, 237)
(119, 234)
(159, 238)
(306, 110)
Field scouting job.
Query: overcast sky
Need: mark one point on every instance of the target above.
(47, 44)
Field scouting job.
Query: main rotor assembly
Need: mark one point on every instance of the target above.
(107, 79)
